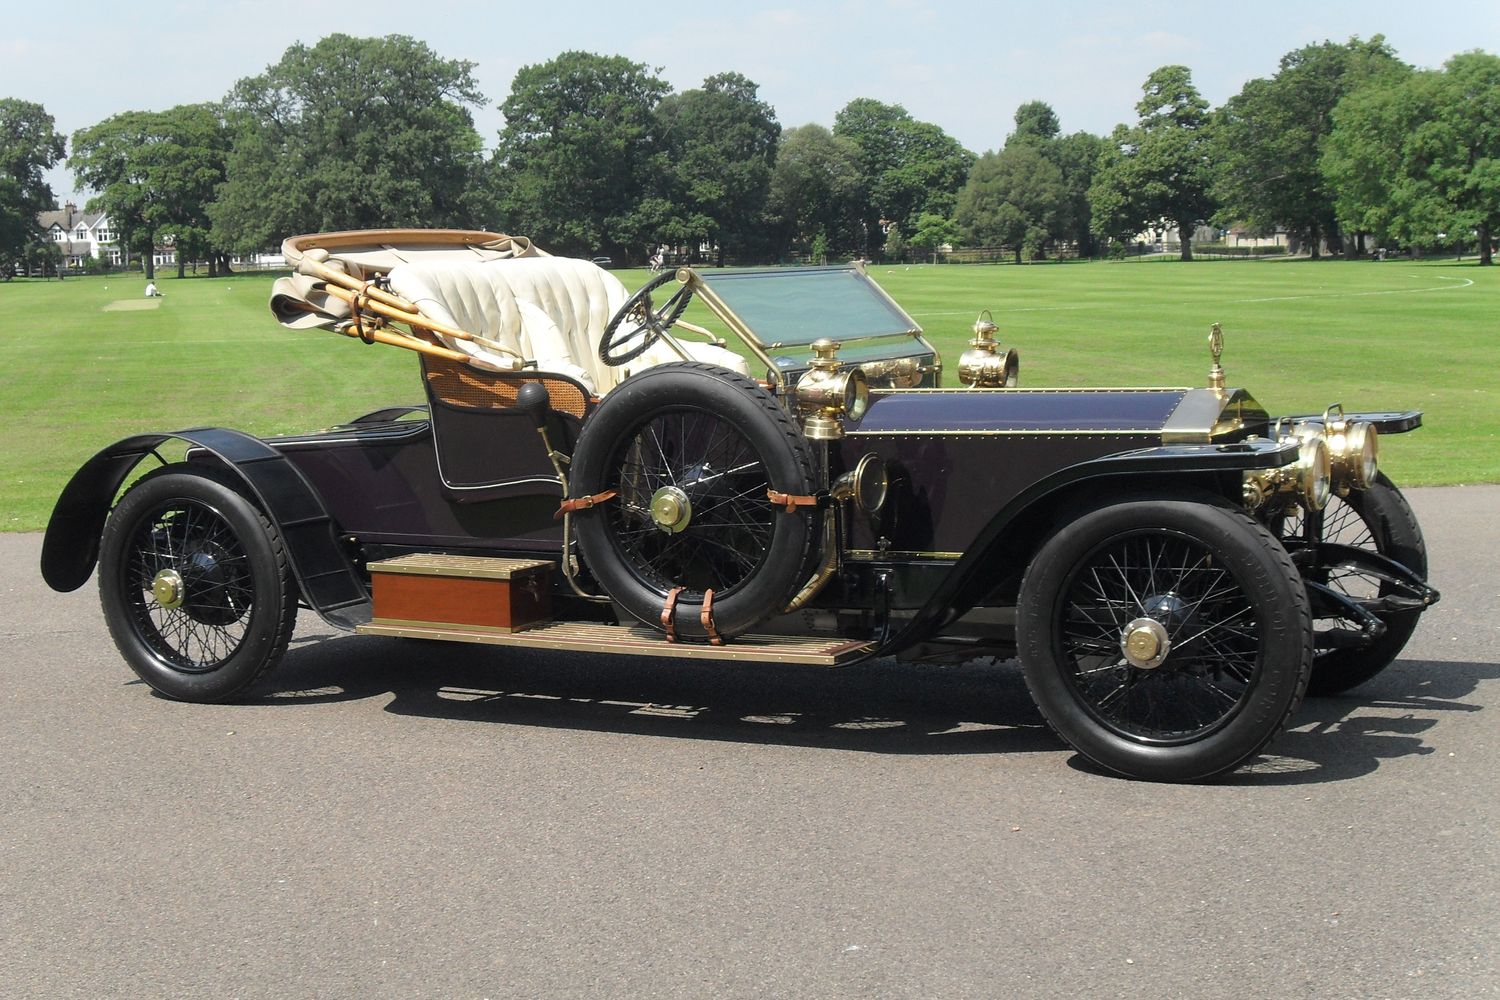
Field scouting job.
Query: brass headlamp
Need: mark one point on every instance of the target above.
(982, 365)
(1309, 478)
(826, 394)
(1353, 448)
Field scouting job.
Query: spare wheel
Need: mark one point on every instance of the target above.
(689, 452)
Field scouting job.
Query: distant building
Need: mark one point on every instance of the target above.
(89, 234)
(81, 234)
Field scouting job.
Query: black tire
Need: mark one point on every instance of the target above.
(237, 605)
(1224, 592)
(723, 440)
(1377, 518)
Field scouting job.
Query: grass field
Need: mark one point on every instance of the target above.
(1299, 334)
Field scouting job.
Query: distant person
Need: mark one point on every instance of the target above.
(152, 292)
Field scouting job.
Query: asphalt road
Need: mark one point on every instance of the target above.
(402, 819)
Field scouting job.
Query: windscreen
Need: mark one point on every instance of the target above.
(795, 306)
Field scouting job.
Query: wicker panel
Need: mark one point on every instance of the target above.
(456, 384)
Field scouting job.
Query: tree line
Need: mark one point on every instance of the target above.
(1345, 146)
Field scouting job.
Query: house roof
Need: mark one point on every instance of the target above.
(69, 220)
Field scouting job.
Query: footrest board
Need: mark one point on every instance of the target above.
(637, 640)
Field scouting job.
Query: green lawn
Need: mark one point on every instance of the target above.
(1299, 334)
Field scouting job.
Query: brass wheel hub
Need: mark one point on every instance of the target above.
(168, 589)
(1145, 643)
(671, 509)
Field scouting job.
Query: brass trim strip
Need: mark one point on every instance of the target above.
(1051, 390)
(1038, 432)
(874, 555)
(636, 641)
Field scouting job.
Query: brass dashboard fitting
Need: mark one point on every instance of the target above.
(827, 394)
(982, 365)
(1353, 448)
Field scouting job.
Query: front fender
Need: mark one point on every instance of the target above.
(328, 581)
(1178, 465)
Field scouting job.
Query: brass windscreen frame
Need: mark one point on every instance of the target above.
(729, 318)
(760, 349)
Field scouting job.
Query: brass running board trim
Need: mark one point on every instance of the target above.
(637, 640)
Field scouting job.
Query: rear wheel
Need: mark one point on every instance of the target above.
(195, 586)
(1379, 519)
(1166, 640)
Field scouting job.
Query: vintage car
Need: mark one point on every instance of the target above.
(1173, 567)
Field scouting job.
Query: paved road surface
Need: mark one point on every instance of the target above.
(400, 819)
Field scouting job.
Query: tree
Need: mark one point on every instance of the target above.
(29, 146)
(351, 133)
(720, 143)
(933, 231)
(1076, 156)
(155, 174)
(579, 159)
(1036, 122)
(1158, 170)
(1269, 139)
(1418, 157)
(911, 166)
(1013, 198)
(816, 190)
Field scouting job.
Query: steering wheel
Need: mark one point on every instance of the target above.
(637, 321)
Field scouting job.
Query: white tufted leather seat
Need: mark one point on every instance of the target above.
(552, 310)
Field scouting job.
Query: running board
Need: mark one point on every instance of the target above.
(637, 640)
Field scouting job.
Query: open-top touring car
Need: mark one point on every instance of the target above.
(592, 472)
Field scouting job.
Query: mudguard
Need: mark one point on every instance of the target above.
(329, 583)
(964, 587)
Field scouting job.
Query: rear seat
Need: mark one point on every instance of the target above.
(552, 310)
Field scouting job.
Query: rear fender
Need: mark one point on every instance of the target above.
(328, 581)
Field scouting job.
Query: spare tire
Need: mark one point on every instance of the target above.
(689, 452)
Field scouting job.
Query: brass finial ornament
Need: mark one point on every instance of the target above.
(1216, 351)
(982, 365)
(826, 394)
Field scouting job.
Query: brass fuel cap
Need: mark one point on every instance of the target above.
(1145, 643)
(168, 589)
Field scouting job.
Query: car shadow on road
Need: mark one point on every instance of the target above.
(1351, 735)
(884, 707)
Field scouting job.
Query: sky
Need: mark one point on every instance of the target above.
(964, 65)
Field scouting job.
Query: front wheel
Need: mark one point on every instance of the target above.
(195, 586)
(1379, 519)
(1165, 640)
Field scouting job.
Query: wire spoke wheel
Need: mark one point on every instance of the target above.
(1380, 520)
(1164, 639)
(189, 585)
(718, 533)
(1204, 628)
(688, 453)
(195, 584)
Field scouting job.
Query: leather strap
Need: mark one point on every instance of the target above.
(669, 613)
(583, 503)
(707, 618)
(790, 501)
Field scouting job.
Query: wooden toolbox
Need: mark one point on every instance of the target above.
(428, 589)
